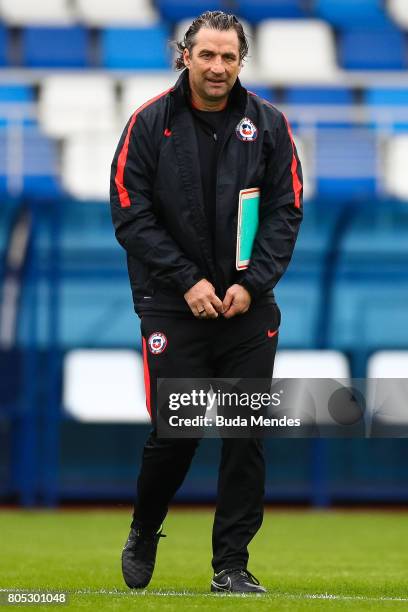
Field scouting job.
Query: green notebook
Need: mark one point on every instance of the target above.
(248, 220)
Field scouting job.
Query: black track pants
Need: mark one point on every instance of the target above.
(242, 347)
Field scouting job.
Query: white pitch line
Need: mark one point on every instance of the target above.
(269, 595)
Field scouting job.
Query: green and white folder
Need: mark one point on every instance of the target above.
(248, 221)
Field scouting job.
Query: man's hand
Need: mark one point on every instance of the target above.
(237, 300)
(203, 302)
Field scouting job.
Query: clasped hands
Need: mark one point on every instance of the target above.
(204, 303)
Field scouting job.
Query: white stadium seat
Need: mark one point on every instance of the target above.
(104, 386)
(85, 164)
(398, 10)
(395, 167)
(119, 12)
(137, 90)
(388, 364)
(387, 399)
(311, 364)
(296, 51)
(36, 12)
(77, 103)
(301, 397)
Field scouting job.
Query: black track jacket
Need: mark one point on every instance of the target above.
(157, 202)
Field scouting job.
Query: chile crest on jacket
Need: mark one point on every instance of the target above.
(246, 130)
(157, 342)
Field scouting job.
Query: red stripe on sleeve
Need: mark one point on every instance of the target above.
(297, 184)
(122, 158)
(146, 374)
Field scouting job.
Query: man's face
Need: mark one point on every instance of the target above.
(213, 64)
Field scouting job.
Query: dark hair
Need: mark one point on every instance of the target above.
(216, 20)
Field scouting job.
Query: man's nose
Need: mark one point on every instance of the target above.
(217, 66)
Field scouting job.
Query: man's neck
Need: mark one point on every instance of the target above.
(203, 105)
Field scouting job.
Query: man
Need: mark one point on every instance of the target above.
(181, 163)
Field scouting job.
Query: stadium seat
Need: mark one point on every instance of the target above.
(296, 51)
(139, 89)
(311, 364)
(318, 96)
(91, 392)
(35, 169)
(346, 162)
(77, 103)
(85, 165)
(40, 12)
(398, 11)
(395, 167)
(59, 47)
(388, 364)
(125, 13)
(388, 107)
(258, 10)
(4, 46)
(370, 291)
(16, 104)
(140, 48)
(387, 399)
(372, 49)
(351, 13)
(176, 10)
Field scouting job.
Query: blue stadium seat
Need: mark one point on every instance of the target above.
(397, 98)
(263, 92)
(4, 46)
(371, 290)
(129, 48)
(39, 165)
(14, 98)
(12, 92)
(176, 10)
(257, 10)
(351, 13)
(373, 49)
(318, 95)
(325, 96)
(346, 163)
(58, 47)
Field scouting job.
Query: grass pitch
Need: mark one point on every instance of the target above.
(307, 560)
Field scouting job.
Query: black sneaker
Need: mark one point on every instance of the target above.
(139, 557)
(236, 581)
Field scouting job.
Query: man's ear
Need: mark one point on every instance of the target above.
(186, 58)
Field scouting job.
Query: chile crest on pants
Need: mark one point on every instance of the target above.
(246, 130)
(157, 342)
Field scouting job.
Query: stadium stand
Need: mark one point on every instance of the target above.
(137, 89)
(257, 10)
(387, 107)
(296, 51)
(352, 13)
(395, 164)
(59, 47)
(120, 51)
(123, 13)
(4, 46)
(90, 393)
(398, 11)
(72, 73)
(311, 364)
(40, 12)
(85, 165)
(76, 103)
(372, 49)
(176, 10)
(388, 364)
